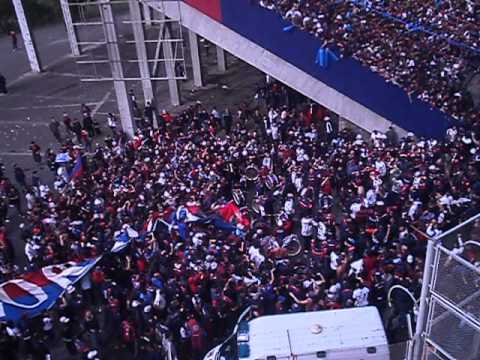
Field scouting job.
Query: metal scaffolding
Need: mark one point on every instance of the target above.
(155, 53)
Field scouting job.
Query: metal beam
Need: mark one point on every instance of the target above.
(153, 21)
(92, 43)
(28, 40)
(461, 304)
(113, 2)
(80, 62)
(418, 341)
(139, 36)
(196, 59)
(165, 33)
(88, 23)
(147, 14)
(100, 79)
(156, 41)
(221, 59)
(161, 34)
(71, 34)
(104, 79)
(455, 310)
(170, 69)
(123, 101)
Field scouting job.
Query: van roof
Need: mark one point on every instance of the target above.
(309, 332)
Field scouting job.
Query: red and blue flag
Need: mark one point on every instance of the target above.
(231, 218)
(78, 169)
(35, 292)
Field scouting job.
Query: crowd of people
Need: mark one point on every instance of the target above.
(360, 207)
(431, 49)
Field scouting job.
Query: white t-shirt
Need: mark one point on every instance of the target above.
(256, 256)
(321, 231)
(355, 208)
(30, 200)
(333, 261)
(274, 129)
(272, 114)
(360, 296)
(307, 226)
(111, 122)
(288, 207)
(31, 250)
(381, 167)
(298, 183)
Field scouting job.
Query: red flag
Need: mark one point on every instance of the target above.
(231, 213)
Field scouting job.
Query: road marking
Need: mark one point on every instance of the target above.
(69, 74)
(106, 113)
(15, 154)
(23, 122)
(101, 103)
(38, 107)
(58, 42)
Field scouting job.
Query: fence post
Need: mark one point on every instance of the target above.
(422, 313)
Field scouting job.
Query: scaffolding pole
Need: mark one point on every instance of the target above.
(166, 46)
(147, 14)
(418, 341)
(123, 101)
(196, 59)
(71, 34)
(28, 40)
(139, 36)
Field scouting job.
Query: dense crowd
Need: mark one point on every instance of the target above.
(431, 49)
(360, 207)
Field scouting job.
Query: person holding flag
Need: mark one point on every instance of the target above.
(78, 168)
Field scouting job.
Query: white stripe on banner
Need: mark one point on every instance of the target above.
(33, 289)
(63, 275)
(119, 246)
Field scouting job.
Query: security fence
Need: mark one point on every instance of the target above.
(448, 326)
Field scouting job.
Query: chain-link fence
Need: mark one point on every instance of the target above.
(452, 302)
(400, 351)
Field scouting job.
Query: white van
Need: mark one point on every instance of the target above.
(353, 334)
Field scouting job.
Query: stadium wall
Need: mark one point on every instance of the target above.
(257, 36)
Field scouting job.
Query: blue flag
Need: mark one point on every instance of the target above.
(123, 238)
(324, 54)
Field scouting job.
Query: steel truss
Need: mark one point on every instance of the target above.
(158, 47)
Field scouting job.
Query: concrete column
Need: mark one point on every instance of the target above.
(123, 101)
(71, 34)
(221, 59)
(28, 41)
(147, 14)
(139, 36)
(196, 60)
